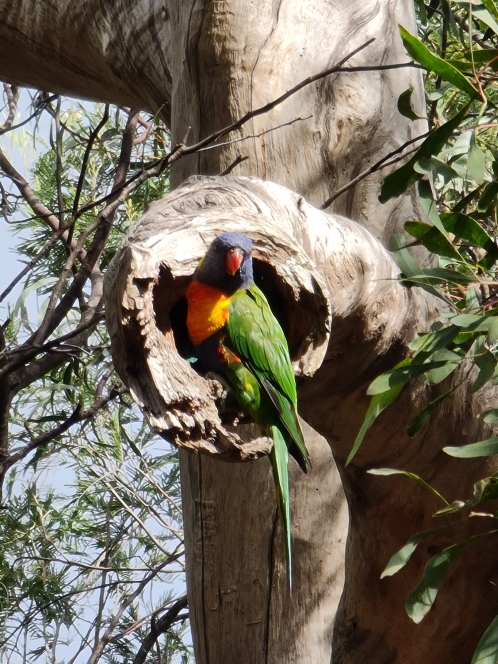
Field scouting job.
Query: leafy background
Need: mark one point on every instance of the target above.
(455, 169)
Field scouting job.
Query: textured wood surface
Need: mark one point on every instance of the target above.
(147, 282)
(203, 64)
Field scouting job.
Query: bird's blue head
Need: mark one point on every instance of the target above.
(227, 264)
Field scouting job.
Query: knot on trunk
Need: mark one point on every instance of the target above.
(146, 306)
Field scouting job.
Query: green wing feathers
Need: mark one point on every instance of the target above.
(257, 338)
(264, 383)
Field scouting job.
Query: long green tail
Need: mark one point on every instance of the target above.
(279, 457)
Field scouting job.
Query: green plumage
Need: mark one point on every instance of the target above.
(264, 384)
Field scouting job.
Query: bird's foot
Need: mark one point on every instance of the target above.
(226, 401)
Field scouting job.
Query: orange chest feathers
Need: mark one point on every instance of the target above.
(207, 311)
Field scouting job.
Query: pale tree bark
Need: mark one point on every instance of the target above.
(204, 64)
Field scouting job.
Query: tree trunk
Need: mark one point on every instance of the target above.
(204, 64)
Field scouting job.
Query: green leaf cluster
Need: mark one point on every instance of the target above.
(455, 168)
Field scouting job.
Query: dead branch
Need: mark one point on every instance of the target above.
(159, 627)
(12, 95)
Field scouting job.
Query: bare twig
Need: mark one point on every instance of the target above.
(246, 138)
(36, 112)
(57, 147)
(91, 140)
(33, 351)
(159, 627)
(12, 95)
(99, 649)
(382, 163)
(234, 163)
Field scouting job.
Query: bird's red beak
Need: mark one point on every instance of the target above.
(233, 260)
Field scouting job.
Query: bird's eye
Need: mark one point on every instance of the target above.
(216, 245)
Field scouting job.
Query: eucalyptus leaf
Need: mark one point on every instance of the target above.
(385, 472)
(485, 16)
(421, 599)
(488, 197)
(401, 557)
(467, 228)
(486, 447)
(428, 343)
(402, 374)
(428, 205)
(476, 164)
(487, 365)
(487, 648)
(405, 261)
(432, 238)
(444, 362)
(489, 416)
(405, 105)
(378, 403)
(420, 53)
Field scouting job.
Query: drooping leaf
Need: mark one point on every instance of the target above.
(476, 164)
(486, 447)
(490, 5)
(426, 344)
(402, 374)
(487, 648)
(492, 336)
(485, 16)
(488, 197)
(445, 361)
(432, 238)
(420, 53)
(419, 602)
(466, 320)
(487, 365)
(469, 229)
(378, 403)
(428, 204)
(404, 260)
(405, 105)
(393, 471)
(440, 274)
(401, 557)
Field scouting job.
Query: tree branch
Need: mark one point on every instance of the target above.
(12, 95)
(77, 416)
(91, 140)
(99, 648)
(32, 200)
(159, 627)
(382, 163)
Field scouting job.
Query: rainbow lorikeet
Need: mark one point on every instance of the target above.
(236, 335)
